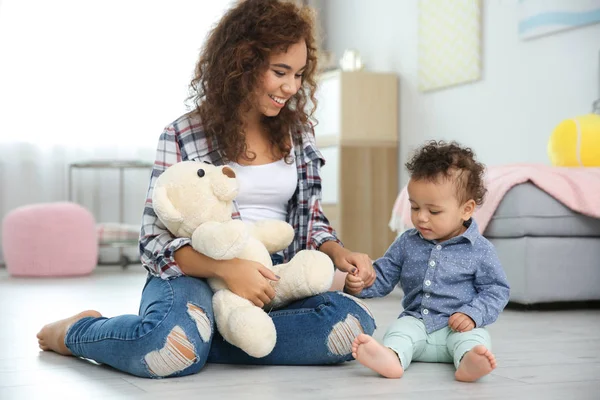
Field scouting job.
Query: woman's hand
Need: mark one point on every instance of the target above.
(250, 280)
(358, 264)
(247, 279)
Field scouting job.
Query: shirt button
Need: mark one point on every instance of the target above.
(427, 282)
(425, 311)
(432, 263)
(438, 247)
(427, 295)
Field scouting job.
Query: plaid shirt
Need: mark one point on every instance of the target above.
(184, 140)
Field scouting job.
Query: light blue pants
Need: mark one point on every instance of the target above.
(409, 339)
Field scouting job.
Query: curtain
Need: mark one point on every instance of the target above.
(92, 80)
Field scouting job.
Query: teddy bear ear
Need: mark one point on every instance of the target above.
(164, 209)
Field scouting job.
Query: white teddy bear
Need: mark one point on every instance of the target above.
(195, 200)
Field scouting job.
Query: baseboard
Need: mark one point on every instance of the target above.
(555, 306)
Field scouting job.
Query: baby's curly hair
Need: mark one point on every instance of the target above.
(438, 159)
(231, 64)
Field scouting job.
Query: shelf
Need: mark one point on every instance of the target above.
(357, 133)
(112, 164)
(119, 244)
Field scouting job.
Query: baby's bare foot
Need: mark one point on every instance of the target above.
(479, 361)
(52, 336)
(376, 356)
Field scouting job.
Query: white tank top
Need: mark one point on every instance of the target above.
(265, 190)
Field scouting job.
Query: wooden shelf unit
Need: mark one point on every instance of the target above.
(357, 132)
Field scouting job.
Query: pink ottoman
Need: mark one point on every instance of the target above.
(51, 239)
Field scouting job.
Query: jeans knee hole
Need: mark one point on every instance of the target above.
(177, 354)
(202, 321)
(342, 335)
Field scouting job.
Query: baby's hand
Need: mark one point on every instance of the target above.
(460, 322)
(354, 284)
(366, 272)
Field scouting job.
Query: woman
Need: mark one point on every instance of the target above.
(252, 84)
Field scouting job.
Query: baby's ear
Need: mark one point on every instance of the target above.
(468, 209)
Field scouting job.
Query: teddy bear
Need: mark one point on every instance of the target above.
(195, 200)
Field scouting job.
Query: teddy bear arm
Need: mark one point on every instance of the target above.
(275, 235)
(220, 240)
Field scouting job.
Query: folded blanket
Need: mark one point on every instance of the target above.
(112, 233)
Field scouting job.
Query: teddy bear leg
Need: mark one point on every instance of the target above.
(310, 272)
(243, 324)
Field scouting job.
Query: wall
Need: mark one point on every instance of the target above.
(527, 87)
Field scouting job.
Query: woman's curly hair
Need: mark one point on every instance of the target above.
(232, 62)
(438, 159)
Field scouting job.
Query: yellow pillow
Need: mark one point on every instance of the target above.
(576, 142)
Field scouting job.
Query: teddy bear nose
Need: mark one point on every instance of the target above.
(228, 172)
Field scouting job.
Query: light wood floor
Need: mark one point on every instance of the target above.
(541, 355)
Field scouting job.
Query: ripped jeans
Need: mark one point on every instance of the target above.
(174, 333)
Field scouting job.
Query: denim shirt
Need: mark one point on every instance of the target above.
(462, 274)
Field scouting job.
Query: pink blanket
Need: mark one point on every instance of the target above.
(576, 188)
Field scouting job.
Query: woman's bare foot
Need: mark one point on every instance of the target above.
(376, 356)
(477, 362)
(52, 336)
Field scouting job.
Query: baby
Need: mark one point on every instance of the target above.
(451, 277)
